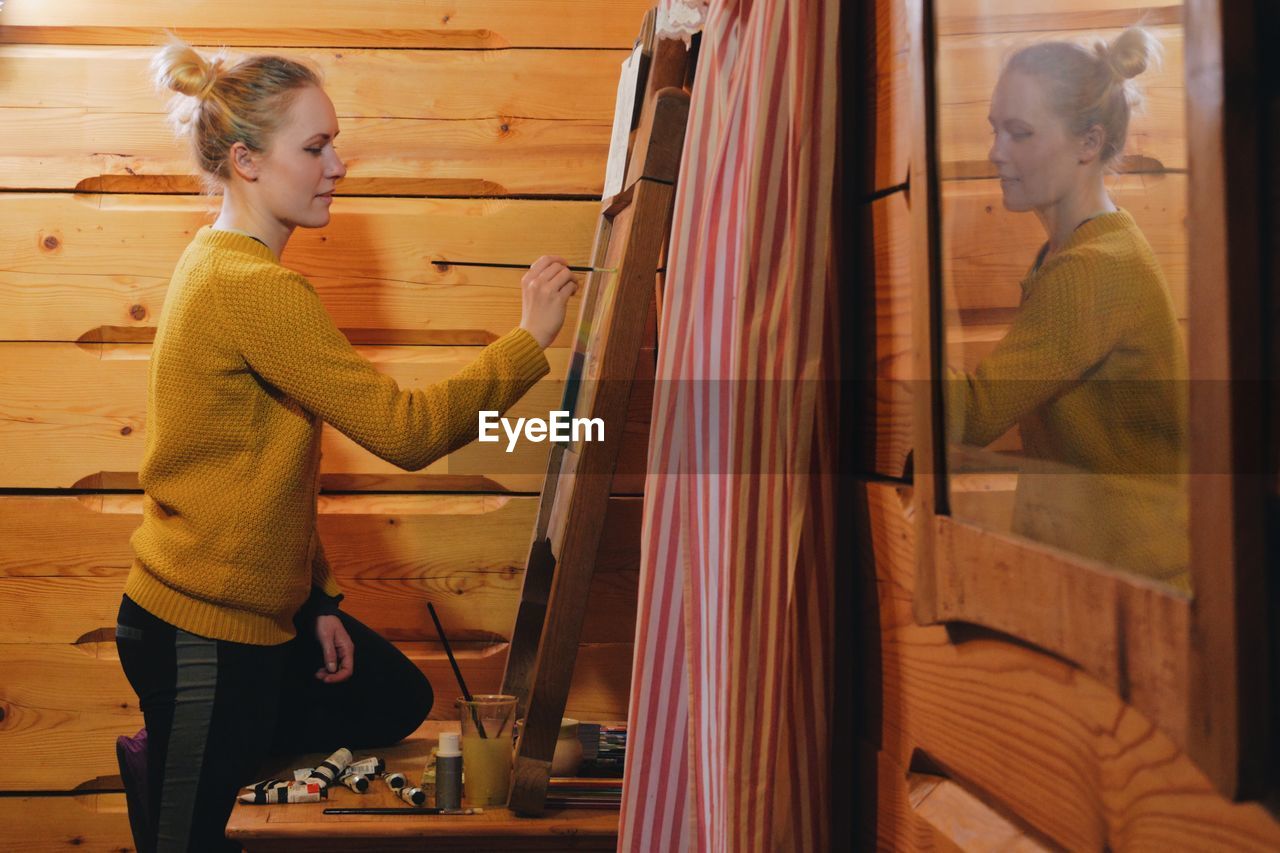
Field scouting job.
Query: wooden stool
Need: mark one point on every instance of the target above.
(305, 827)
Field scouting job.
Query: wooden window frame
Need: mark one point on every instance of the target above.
(1197, 665)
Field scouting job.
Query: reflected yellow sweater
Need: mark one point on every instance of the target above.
(1093, 371)
(246, 366)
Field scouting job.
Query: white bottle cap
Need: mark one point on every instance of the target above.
(448, 745)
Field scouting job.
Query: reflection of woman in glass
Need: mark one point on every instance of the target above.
(1092, 369)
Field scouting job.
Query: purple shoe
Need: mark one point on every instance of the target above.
(131, 752)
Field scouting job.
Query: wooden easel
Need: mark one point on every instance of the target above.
(630, 236)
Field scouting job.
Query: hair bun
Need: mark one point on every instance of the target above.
(1130, 53)
(180, 67)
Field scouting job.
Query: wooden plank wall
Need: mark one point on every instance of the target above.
(966, 739)
(475, 137)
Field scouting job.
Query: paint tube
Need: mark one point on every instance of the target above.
(331, 768)
(302, 774)
(412, 796)
(266, 784)
(370, 766)
(297, 792)
(356, 782)
(395, 781)
(300, 792)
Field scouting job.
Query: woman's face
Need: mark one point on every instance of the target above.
(301, 166)
(1038, 159)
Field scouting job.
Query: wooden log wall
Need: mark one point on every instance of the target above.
(969, 739)
(475, 137)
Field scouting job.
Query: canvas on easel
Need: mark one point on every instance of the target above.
(630, 236)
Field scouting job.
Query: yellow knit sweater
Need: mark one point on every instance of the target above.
(1093, 371)
(246, 365)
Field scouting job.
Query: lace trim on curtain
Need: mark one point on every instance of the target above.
(680, 19)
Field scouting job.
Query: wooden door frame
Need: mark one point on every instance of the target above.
(1197, 666)
(1229, 667)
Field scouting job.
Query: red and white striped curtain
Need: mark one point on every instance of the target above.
(730, 715)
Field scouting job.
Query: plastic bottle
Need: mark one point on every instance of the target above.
(448, 772)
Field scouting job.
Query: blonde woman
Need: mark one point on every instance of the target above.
(229, 630)
(1093, 368)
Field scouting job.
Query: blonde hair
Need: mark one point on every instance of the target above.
(1088, 87)
(218, 103)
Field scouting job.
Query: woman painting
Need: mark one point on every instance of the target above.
(229, 630)
(1093, 368)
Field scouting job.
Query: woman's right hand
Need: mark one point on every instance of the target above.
(546, 289)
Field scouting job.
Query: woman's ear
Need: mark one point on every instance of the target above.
(243, 161)
(1091, 144)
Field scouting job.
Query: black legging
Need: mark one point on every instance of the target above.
(215, 709)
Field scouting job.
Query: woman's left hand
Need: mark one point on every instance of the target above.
(339, 651)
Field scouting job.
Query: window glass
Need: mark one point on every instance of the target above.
(1063, 175)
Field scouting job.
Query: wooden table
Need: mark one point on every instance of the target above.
(305, 827)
